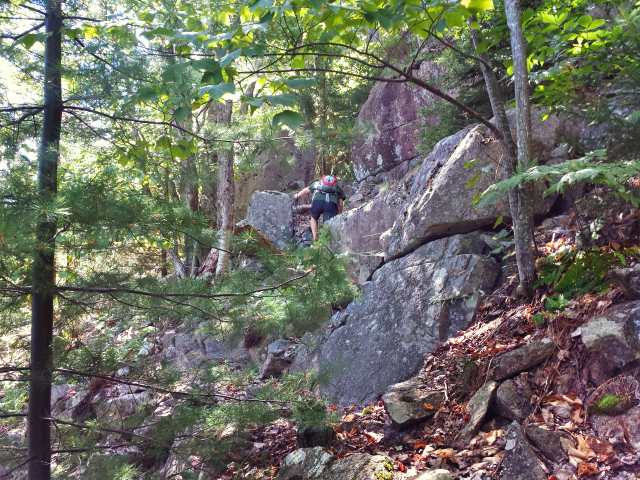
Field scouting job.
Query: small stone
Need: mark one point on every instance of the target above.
(520, 462)
(523, 358)
(513, 399)
(477, 408)
(550, 443)
(440, 474)
(408, 403)
(274, 366)
(279, 347)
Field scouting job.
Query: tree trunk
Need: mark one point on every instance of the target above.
(520, 199)
(524, 221)
(43, 288)
(226, 196)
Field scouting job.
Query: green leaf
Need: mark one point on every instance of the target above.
(478, 5)
(160, 32)
(498, 221)
(229, 57)
(298, 83)
(181, 113)
(178, 152)
(297, 62)
(147, 93)
(585, 20)
(469, 163)
(253, 101)
(194, 24)
(173, 71)
(454, 20)
(472, 181)
(291, 119)
(285, 100)
(146, 16)
(217, 91)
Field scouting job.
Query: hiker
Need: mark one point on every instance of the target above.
(327, 200)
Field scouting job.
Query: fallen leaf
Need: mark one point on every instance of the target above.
(401, 466)
(420, 444)
(492, 436)
(601, 446)
(417, 458)
(585, 468)
(333, 407)
(428, 406)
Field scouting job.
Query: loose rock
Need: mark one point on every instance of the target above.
(523, 358)
(550, 443)
(520, 462)
(612, 340)
(513, 399)
(408, 403)
(477, 408)
(628, 279)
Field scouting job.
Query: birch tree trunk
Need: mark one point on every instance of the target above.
(520, 199)
(226, 197)
(43, 288)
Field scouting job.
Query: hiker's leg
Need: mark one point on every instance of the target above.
(317, 206)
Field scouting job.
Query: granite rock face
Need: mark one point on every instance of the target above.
(283, 167)
(612, 340)
(390, 119)
(441, 202)
(270, 213)
(357, 232)
(399, 319)
(610, 426)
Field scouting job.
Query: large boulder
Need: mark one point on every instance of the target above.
(271, 213)
(442, 196)
(520, 462)
(410, 305)
(356, 233)
(281, 167)
(612, 340)
(390, 119)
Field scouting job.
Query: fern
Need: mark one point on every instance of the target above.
(590, 169)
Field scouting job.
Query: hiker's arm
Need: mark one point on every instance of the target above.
(340, 206)
(301, 193)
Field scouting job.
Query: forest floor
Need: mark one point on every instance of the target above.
(561, 387)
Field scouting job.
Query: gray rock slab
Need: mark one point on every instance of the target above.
(520, 461)
(398, 319)
(550, 443)
(628, 279)
(441, 202)
(317, 464)
(406, 402)
(356, 233)
(523, 358)
(477, 408)
(270, 213)
(513, 399)
(612, 340)
(390, 119)
(279, 347)
(283, 168)
(608, 427)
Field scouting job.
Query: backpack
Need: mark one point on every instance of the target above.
(328, 184)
